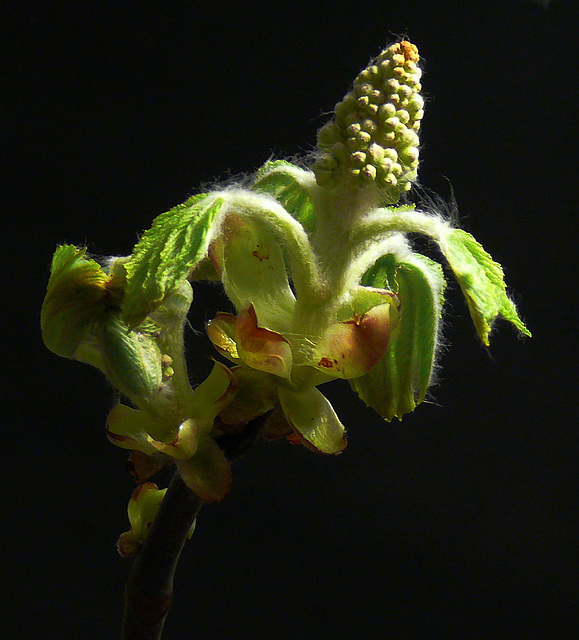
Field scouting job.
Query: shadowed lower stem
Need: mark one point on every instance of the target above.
(149, 589)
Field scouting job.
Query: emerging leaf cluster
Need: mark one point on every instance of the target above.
(325, 282)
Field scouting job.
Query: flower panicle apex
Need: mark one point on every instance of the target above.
(373, 137)
(324, 281)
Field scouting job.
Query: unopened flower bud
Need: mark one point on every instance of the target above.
(143, 507)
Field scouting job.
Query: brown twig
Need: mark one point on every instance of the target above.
(149, 589)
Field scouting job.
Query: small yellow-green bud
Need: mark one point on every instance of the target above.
(142, 510)
(376, 124)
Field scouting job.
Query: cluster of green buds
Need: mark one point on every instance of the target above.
(324, 280)
(373, 139)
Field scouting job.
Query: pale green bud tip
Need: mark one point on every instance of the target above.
(373, 139)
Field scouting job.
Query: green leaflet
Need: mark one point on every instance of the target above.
(312, 416)
(132, 358)
(207, 473)
(482, 282)
(356, 344)
(166, 254)
(399, 381)
(143, 507)
(133, 429)
(76, 298)
(253, 271)
(290, 186)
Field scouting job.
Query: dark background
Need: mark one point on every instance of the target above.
(459, 522)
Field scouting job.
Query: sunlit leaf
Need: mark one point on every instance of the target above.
(166, 254)
(76, 298)
(311, 415)
(254, 272)
(482, 282)
(350, 348)
(399, 381)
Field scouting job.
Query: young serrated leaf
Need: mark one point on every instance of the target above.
(399, 381)
(166, 254)
(291, 187)
(482, 283)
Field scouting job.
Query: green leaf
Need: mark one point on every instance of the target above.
(76, 298)
(357, 342)
(207, 473)
(482, 282)
(398, 383)
(291, 187)
(130, 428)
(166, 254)
(132, 359)
(143, 507)
(253, 271)
(312, 417)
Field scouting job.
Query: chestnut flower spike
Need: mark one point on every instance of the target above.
(325, 282)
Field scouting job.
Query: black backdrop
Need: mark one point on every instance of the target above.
(458, 522)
